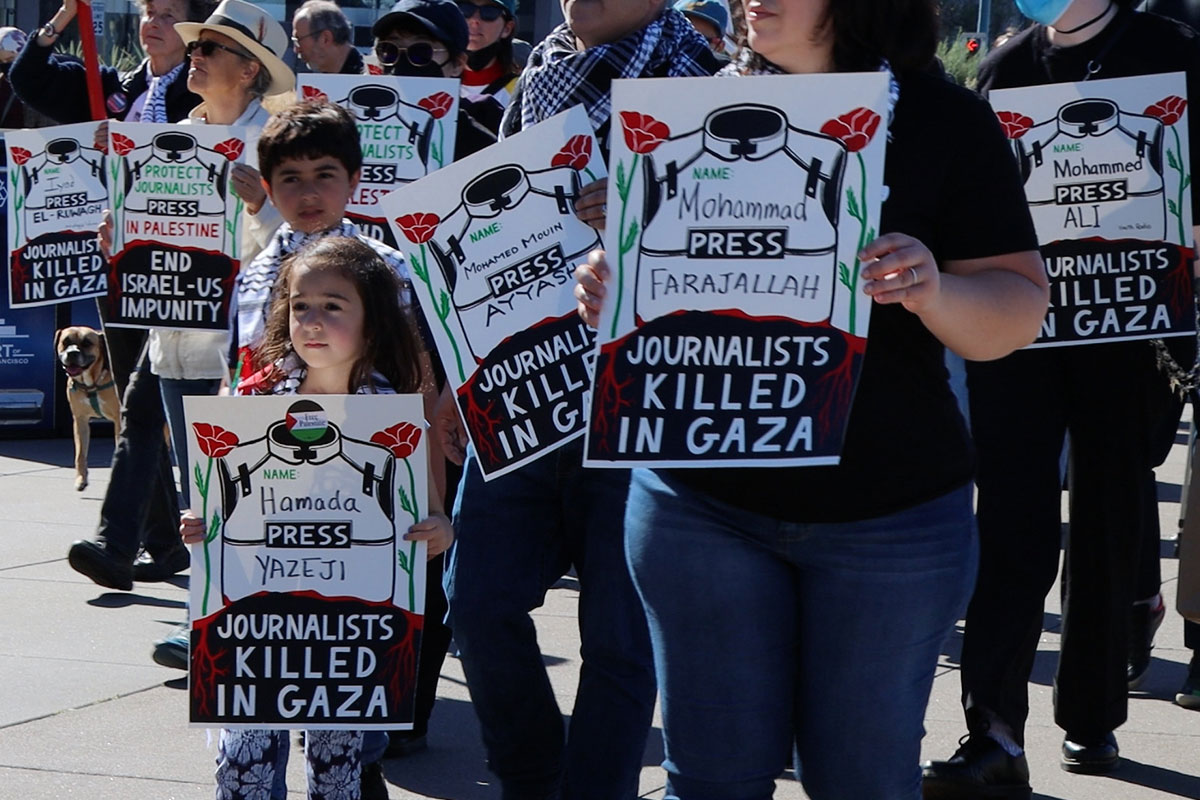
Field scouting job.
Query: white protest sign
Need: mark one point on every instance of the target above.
(735, 325)
(1107, 172)
(493, 241)
(306, 602)
(176, 224)
(56, 197)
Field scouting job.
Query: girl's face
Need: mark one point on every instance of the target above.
(326, 321)
(791, 33)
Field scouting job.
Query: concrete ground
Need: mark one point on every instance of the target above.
(85, 713)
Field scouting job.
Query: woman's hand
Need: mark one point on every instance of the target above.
(449, 428)
(61, 19)
(900, 269)
(100, 140)
(247, 182)
(590, 288)
(436, 531)
(191, 528)
(104, 234)
(591, 206)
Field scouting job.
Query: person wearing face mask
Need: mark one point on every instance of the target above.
(428, 39)
(1021, 407)
(491, 69)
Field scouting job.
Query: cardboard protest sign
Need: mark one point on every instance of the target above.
(407, 128)
(1107, 173)
(176, 224)
(57, 194)
(735, 325)
(493, 241)
(306, 603)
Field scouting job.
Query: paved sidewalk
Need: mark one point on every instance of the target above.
(85, 713)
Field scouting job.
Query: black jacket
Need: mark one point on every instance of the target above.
(57, 87)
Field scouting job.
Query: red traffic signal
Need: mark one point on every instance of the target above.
(973, 45)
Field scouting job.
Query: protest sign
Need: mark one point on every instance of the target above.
(493, 241)
(57, 194)
(306, 603)
(735, 325)
(407, 128)
(1107, 173)
(176, 224)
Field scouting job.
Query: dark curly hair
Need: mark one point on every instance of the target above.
(391, 343)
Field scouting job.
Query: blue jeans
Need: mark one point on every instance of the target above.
(173, 392)
(770, 634)
(517, 534)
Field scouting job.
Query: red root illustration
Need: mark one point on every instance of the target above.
(837, 385)
(480, 420)
(1181, 297)
(205, 671)
(610, 395)
(401, 657)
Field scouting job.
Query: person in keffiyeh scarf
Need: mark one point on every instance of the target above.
(559, 74)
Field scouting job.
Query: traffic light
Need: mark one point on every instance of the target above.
(973, 43)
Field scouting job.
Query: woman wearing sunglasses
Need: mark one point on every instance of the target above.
(491, 69)
(428, 39)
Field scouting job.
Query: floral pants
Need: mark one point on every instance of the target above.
(247, 761)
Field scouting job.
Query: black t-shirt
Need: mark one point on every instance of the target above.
(1130, 44)
(953, 184)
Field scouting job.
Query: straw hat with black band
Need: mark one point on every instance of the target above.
(253, 29)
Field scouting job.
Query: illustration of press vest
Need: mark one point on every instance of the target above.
(174, 176)
(512, 240)
(377, 105)
(1094, 170)
(290, 523)
(745, 193)
(61, 185)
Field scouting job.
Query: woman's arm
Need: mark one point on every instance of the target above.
(981, 308)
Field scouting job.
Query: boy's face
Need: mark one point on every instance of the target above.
(311, 193)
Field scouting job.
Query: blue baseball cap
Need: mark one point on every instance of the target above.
(711, 10)
(441, 18)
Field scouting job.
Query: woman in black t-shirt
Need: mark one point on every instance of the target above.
(808, 605)
(1110, 397)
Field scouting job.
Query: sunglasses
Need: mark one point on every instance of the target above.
(207, 47)
(488, 13)
(419, 54)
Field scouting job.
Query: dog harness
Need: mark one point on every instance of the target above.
(92, 393)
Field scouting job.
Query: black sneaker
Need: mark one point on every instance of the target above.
(1188, 695)
(980, 768)
(148, 569)
(103, 566)
(1144, 619)
(1090, 755)
(172, 650)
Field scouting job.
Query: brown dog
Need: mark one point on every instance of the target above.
(91, 392)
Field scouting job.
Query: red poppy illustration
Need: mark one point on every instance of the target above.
(576, 153)
(1169, 109)
(855, 128)
(215, 441)
(643, 132)
(402, 439)
(1015, 124)
(374, 69)
(121, 144)
(20, 155)
(437, 104)
(313, 93)
(231, 148)
(419, 227)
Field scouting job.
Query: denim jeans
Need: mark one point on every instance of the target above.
(173, 392)
(770, 634)
(517, 534)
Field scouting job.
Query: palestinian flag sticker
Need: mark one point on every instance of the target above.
(306, 421)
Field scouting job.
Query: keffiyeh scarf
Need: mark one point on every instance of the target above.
(294, 372)
(155, 109)
(560, 75)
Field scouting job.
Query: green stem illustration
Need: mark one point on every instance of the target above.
(412, 546)
(204, 516)
(441, 309)
(441, 153)
(591, 176)
(624, 243)
(1182, 185)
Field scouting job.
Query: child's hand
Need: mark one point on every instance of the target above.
(436, 531)
(104, 234)
(247, 182)
(191, 528)
(452, 436)
(589, 287)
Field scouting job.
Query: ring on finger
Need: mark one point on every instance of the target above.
(915, 279)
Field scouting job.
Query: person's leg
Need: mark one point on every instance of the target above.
(507, 551)
(721, 606)
(1188, 695)
(246, 763)
(614, 703)
(877, 599)
(333, 763)
(173, 392)
(1018, 425)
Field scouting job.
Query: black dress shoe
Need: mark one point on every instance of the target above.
(405, 743)
(980, 768)
(148, 569)
(1090, 754)
(372, 785)
(1143, 624)
(106, 568)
